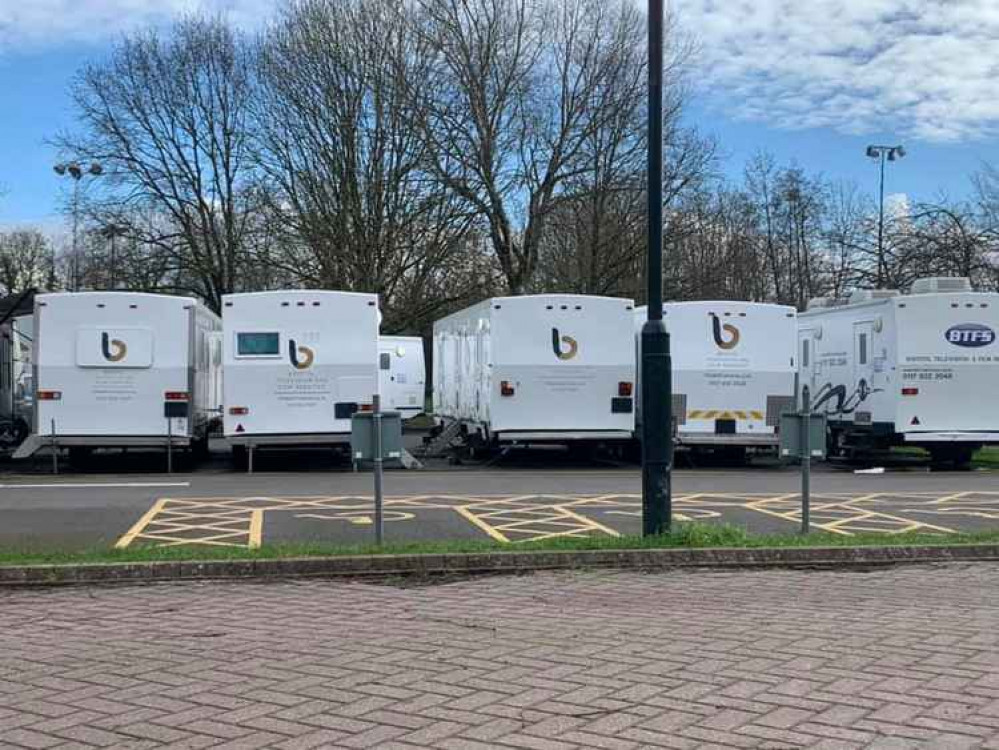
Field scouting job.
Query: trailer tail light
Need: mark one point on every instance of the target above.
(910, 391)
(238, 411)
(175, 396)
(50, 395)
(624, 389)
(366, 407)
(506, 389)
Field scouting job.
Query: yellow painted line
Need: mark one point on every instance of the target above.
(949, 498)
(475, 521)
(256, 529)
(589, 521)
(141, 524)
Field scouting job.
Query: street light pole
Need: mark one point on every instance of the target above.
(883, 154)
(76, 172)
(656, 395)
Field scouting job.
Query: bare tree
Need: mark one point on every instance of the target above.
(347, 166)
(513, 92)
(167, 116)
(26, 260)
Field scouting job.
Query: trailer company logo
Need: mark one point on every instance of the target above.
(301, 357)
(114, 350)
(569, 341)
(719, 332)
(970, 334)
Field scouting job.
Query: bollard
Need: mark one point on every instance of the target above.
(249, 458)
(376, 419)
(806, 460)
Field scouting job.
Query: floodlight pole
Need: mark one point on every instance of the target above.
(656, 395)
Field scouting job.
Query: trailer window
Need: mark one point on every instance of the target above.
(258, 344)
(385, 361)
(862, 346)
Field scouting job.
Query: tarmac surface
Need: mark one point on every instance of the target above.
(890, 659)
(308, 498)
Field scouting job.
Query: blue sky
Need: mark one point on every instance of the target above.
(811, 82)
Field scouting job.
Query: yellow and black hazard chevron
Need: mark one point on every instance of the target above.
(724, 414)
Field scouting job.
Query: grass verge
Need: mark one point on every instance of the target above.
(684, 535)
(987, 458)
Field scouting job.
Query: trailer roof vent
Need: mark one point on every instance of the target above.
(941, 284)
(869, 295)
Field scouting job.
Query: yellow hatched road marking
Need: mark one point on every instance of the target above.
(139, 525)
(256, 529)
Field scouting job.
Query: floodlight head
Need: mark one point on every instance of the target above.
(891, 154)
(60, 169)
(95, 169)
(900, 151)
(74, 171)
(873, 152)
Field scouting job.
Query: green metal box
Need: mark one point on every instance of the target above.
(362, 435)
(791, 433)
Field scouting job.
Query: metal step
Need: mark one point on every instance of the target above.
(442, 442)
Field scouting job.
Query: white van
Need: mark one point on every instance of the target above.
(402, 374)
(537, 368)
(296, 366)
(918, 369)
(123, 369)
(733, 371)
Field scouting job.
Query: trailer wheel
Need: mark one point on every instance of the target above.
(240, 458)
(950, 456)
(79, 456)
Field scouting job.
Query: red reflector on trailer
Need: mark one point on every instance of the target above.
(238, 411)
(910, 391)
(624, 389)
(175, 396)
(365, 407)
(506, 389)
(50, 395)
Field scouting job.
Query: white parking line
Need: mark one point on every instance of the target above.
(91, 485)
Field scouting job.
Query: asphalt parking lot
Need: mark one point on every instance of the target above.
(297, 498)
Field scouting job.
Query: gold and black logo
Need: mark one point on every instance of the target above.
(719, 330)
(301, 357)
(569, 341)
(114, 350)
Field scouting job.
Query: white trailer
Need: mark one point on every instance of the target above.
(17, 395)
(122, 369)
(402, 374)
(733, 366)
(296, 366)
(539, 368)
(917, 369)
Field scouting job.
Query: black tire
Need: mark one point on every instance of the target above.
(953, 457)
(240, 458)
(79, 456)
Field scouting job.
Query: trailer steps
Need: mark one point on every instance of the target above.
(442, 442)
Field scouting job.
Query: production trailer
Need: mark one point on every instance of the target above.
(17, 395)
(536, 369)
(919, 369)
(402, 374)
(296, 366)
(123, 370)
(733, 366)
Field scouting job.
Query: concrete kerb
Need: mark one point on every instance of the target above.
(392, 566)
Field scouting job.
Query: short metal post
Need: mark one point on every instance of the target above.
(249, 458)
(55, 451)
(376, 419)
(806, 460)
(169, 446)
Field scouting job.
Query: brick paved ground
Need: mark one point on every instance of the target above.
(889, 659)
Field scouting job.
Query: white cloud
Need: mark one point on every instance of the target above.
(923, 68)
(34, 24)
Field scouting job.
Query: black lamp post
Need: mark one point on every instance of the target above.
(883, 154)
(656, 395)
